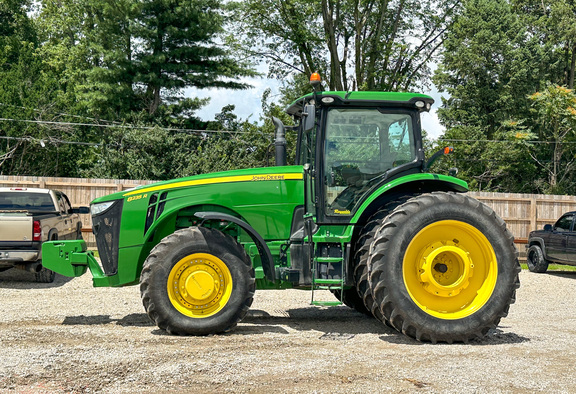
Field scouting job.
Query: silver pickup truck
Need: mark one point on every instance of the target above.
(30, 216)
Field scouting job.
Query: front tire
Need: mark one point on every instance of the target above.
(443, 268)
(197, 281)
(535, 260)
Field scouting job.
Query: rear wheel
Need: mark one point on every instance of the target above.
(362, 249)
(535, 259)
(444, 268)
(352, 299)
(197, 281)
(45, 275)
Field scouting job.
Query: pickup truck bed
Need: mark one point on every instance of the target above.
(29, 217)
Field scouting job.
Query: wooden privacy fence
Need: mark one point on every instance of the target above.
(522, 212)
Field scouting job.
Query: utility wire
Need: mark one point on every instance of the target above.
(195, 131)
(60, 113)
(506, 141)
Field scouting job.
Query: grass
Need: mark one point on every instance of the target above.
(554, 267)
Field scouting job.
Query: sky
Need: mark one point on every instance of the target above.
(248, 103)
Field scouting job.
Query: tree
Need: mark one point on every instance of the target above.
(485, 67)
(178, 50)
(555, 116)
(131, 56)
(356, 44)
(552, 25)
(488, 67)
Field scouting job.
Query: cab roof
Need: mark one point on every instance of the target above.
(392, 99)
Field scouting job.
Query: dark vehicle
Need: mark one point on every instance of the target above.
(554, 244)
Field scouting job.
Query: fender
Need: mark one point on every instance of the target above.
(265, 255)
(540, 242)
(419, 182)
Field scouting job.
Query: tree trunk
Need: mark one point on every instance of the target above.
(571, 70)
(329, 28)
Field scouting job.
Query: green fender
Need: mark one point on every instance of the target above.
(426, 182)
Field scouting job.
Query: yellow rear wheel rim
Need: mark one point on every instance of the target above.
(450, 269)
(199, 285)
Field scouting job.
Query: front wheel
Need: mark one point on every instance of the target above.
(443, 268)
(197, 281)
(535, 259)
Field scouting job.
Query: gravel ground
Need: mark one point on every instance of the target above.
(71, 337)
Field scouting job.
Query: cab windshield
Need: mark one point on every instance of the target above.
(360, 146)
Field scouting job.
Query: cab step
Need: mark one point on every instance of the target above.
(326, 303)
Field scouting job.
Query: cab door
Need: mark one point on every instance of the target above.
(558, 241)
(570, 256)
(66, 228)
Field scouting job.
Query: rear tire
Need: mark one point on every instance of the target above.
(443, 268)
(45, 276)
(535, 259)
(352, 299)
(197, 281)
(361, 255)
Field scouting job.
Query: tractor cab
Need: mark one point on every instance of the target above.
(351, 143)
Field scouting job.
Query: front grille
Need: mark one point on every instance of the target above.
(106, 228)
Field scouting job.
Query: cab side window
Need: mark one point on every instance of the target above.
(564, 224)
(63, 203)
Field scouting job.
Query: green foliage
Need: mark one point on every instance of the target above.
(554, 111)
(495, 59)
(355, 44)
(125, 61)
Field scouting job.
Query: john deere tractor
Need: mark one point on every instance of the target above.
(357, 214)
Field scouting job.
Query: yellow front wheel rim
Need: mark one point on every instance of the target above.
(199, 285)
(450, 269)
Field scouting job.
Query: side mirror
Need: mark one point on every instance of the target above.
(442, 152)
(548, 227)
(81, 210)
(309, 115)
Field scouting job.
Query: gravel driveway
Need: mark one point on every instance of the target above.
(71, 337)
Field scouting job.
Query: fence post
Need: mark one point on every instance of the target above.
(533, 213)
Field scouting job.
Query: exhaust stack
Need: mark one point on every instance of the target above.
(280, 142)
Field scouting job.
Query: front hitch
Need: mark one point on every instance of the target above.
(70, 258)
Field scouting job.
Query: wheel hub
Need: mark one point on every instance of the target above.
(199, 285)
(445, 269)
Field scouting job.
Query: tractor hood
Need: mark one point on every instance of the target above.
(233, 176)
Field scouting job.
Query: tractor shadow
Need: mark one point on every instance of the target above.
(131, 320)
(334, 323)
(18, 279)
(342, 323)
(329, 323)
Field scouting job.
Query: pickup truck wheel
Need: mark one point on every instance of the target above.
(197, 281)
(443, 268)
(45, 275)
(535, 259)
(79, 232)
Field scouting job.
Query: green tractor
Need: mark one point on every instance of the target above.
(357, 214)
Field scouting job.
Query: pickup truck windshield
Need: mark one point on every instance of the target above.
(22, 201)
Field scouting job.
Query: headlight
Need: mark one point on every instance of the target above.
(97, 209)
